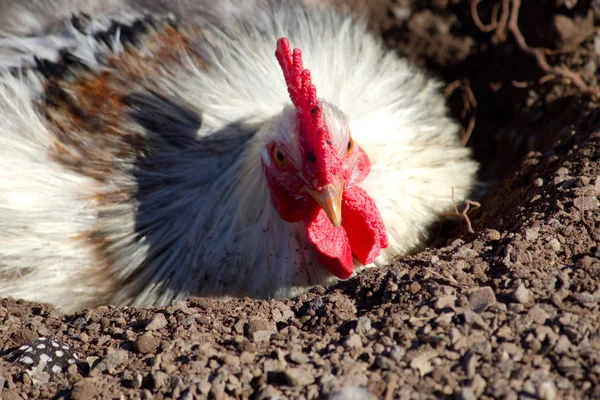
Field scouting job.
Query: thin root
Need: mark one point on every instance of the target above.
(469, 106)
(483, 27)
(470, 205)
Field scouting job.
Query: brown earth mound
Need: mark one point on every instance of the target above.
(510, 311)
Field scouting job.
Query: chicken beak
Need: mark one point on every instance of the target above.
(330, 200)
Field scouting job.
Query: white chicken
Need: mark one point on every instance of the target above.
(155, 160)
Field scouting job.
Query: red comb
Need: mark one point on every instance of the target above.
(302, 92)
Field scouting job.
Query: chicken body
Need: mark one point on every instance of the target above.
(131, 168)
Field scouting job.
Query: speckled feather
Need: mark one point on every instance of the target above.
(132, 175)
(45, 353)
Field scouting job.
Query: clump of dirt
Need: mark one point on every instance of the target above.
(511, 311)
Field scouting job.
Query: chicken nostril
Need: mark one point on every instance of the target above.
(311, 157)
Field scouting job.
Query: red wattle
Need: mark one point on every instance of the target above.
(363, 225)
(333, 246)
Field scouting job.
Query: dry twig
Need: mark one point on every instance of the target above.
(448, 279)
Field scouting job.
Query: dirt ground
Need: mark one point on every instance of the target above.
(508, 312)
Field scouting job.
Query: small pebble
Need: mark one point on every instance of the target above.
(262, 336)
(563, 345)
(481, 299)
(299, 357)
(231, 360)
(538, 182)
(191, 320)
(204, 387)
(562, 171)
(363, 325)
(467, 394)
(84, 390)
(157, 322)
(538, 314)
(114, 359)
(246, 357)
(521, 294)
(547, 391)
(478, 384)
(444, 302)
(415, 287)
(146, 343)
(298, 377)
(554, 244)
(159, 379)
(354, 342)
(351, 393)
(532, 234)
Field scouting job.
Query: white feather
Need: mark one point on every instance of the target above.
(42, 205)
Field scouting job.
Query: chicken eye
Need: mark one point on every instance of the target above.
(279, 158)
(350, 145)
